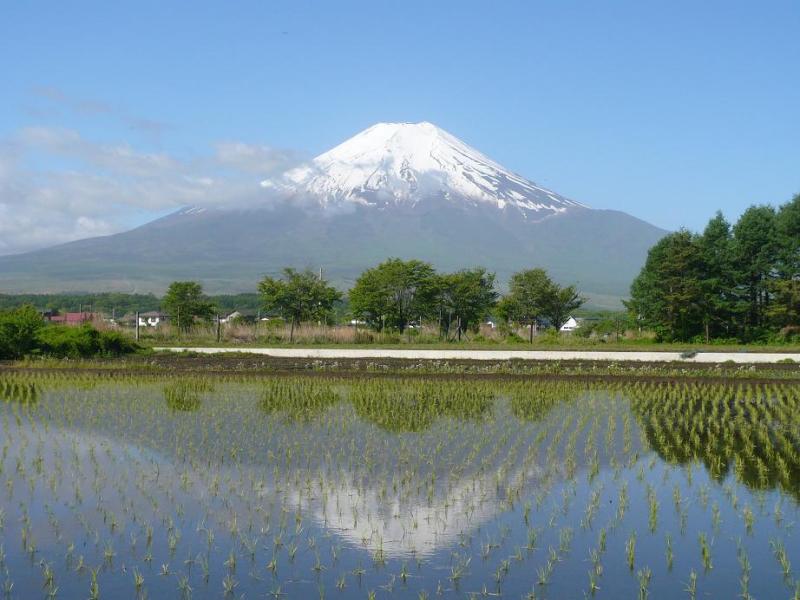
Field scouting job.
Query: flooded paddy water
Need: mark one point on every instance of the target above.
(294, 487)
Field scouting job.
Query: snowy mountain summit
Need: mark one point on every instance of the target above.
(395, 190)
(404, 164)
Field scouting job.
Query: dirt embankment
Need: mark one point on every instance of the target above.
(254, 366)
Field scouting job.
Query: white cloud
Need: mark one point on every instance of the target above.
(259, 160)
(105, 184)
(55, 100)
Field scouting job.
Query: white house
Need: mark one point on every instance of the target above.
(231, 317)
(152, 318)
(571, 324)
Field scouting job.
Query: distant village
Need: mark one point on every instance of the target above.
(155, 318)
(152, 318)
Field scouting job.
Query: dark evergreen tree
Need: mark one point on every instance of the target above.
(667, 296)
(755, 254)
(718, 282)
(785, 309)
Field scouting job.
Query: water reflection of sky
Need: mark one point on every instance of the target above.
(118, 461)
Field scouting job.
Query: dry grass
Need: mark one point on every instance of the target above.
(279, 333)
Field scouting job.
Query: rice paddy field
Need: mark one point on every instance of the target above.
(135, 486)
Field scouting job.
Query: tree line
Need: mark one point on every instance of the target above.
(117, 303)
(739, 281)
(398, 294)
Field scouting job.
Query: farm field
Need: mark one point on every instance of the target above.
(118, 484)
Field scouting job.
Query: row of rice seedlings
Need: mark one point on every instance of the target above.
(433, 445)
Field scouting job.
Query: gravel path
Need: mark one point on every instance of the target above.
(413, 354)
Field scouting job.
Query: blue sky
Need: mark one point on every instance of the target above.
(666, 110)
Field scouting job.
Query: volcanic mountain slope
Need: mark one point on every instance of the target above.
(395, 189)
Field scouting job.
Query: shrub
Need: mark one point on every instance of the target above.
(18, 329)
(81, 342)
(69, 342)
(514, 338)
(114, 343)
(790, 333)
(549, 337)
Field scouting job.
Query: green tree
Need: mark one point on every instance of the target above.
(560, 302)
(18, 331)
(527, 299)
(298, 296)
(667, 295)
(785, 310)
(394, 293)
(465, 298)
(755, 249)
(718, 281)
(184, 302)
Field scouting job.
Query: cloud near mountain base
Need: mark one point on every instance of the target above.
(57, 186)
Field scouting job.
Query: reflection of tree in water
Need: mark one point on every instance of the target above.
(532, 401)
(392, 405)
(184, 396)
(16, 389)
(414, 405)
(753, 430)
(399, 407)
(299, 400)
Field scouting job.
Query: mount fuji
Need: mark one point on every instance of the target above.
(410, 190)
(403, 164)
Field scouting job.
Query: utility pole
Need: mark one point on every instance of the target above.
(218, 329)
(137, 325)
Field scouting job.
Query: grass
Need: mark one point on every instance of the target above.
(249, 336)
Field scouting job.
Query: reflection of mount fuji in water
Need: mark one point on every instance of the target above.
(366, 474)
(400, 506)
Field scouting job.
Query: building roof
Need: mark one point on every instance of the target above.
(73, 317)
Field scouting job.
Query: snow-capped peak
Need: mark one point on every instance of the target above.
(404, 163)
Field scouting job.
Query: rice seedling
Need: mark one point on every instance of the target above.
(138, 579)
(705, 551)
(744, 564)
(643, 577)
(691, 587)
(94, 587)
(668, 553)
(326, 485)
(779, 551)
(630, 550)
